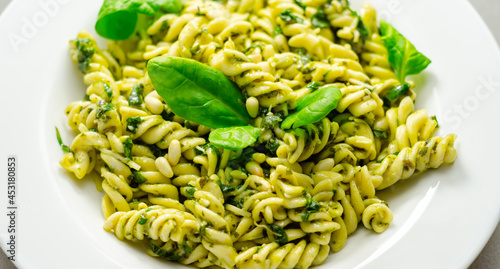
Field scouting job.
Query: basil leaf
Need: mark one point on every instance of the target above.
(197, 92)
(313, 107)
(403, 56)
(395, 93)
(117, 18)
(234, 138)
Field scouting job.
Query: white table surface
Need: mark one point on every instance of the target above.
(489, 258)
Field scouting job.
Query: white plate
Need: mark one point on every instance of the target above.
(442, 219)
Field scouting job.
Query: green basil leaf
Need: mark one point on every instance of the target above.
(403, 56)
(234, 138)
(395, 93)
(313, 107)
(197, 92)
(117, 18)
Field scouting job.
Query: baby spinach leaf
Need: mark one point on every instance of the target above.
(234, 138)
(117, 18)
(404, 58)
(313, 107)
(197, 92)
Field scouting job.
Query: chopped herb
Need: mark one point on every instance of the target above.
(277, 30)
(59, 139)
(314, 85)
(272, 145)
(300, 4)
(138, 177)
(93, 129)
(142, 220)
(127, 147)
(254, 46)
(270, 120)
(320, 20)
(380, 134)
(226, 188)
(163, 253)
(108, 90)
(238, 203)
(288, 16)
(281, 236)
(135, 97)
(241, 160)
(185, 247)
(190, 192)
(86, 50)
(311, 207)
(101, 110)
(434, 118)
(132, 123)
(395, 93)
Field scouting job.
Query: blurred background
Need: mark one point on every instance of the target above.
(489, 258)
